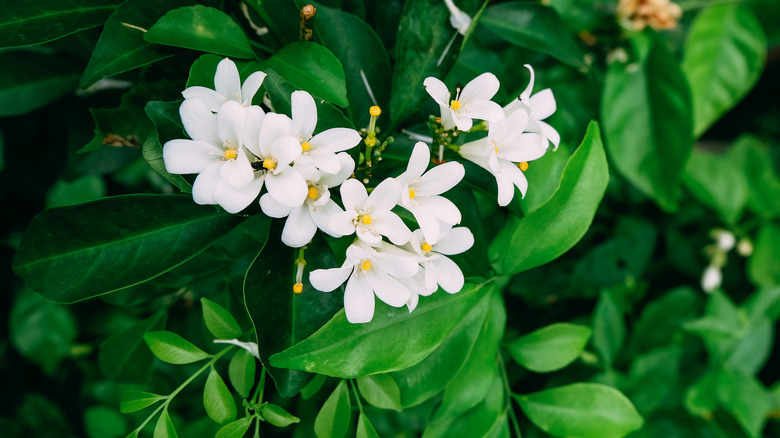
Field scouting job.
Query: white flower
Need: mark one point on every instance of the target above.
(369, 215)
(539, 106)
(711, 279)
(317, 209)
(505, 145)
(321, 149)
(439, 269)
(725, 240)
(472, 103)
(420, 191)
(251, 347)
(458, 19)
(370, 273)
(228, 87)
(217, 154)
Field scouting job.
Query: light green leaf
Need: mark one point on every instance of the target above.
(718, 183)
(609, 329)
(648, 121)
(201, 28)
(550, 348)
(555, 227)
(381, 391)
(236, 429)
(277, 416)
(219, 321)
(333, 419)
(35, 81)
(763, 268)
(172, 348)
(218, 400)
(364, 428)
(536, 27)
(133, 401)
(544, 176)
(311, 67)
(753, 158)
(723, 58)
(164, 427)
(124, 356)
(581, 410)
(242, 372)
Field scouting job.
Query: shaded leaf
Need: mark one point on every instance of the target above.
(164, 427)
(762, 266)
(609, 330)
(124, 356)
(35, 81)
(167, 126)
(716, 182)
(236, 429)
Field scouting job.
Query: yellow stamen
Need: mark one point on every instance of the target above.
(366, 265)
(313, 193)
(366, 219)
(269, 163)
(455, 104)
(298, 288)
(375, 111)
(426, 247)
(495, 148)
(523, 166)
(306, 146)
(231, 154)
(412, 194)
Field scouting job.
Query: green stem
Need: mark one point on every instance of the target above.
(139, 428)
(260, 387)
(357, 396)
(209, 364)
(257, 426)
(508, 395)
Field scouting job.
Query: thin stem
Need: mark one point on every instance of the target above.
(508, 395)
(258, 397)
(139, 428)
(209, 364)
(357, 396)
(257, 426)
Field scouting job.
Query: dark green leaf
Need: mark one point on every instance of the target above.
(718, 183)
(342, 349)
(550, 348)
(662, 319)
(534, 26)
(333, 419)
(217, 399)
(104, 422)
(219, 321)
(555, 227)
(27, 22)
(167, 126)
(124, 356)
(763, 267)
(73, 253)
(364, 428)
(311, 67)
(648, 122)
(277, 416)
(654, 378)
(35, 81)
(582, 410)
(609, 330)
(236, 429)
(200, 28)
(724, 55)
(84, 189)
(133, 401)
(123, 126)
(164, 427)
(754, 159)
(381, 391)
(172, 348)
(242, 372)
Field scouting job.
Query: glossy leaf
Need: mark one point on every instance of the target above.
(133, 401)
(364, 428)
(236, 429)
(164, 427)
(218, 400)
(648, 123)
(536, 27)
(550, 348)
(241, 371)
(609, 330)
(763, 267)
(277, 416)
(124, 356)
(724, 55)
(333, 419)
(35, 81)
(555, 227)
(172, 348)
(28, 22)
(167, 126)
(73, 253)
(200, 28)
(311, 67)
(380, 390)
(582, 410)
(716, 182)
(342, 349)
(219, 321)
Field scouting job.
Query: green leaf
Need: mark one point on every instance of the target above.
(661, 320)
(219, 321)
(550, 348)
(164, 427)
(35, 81)
(104, 422)
(201, 28)
(277, 416)
(654, 379)
(72, 253)
(342, 349)
(582, 410)
(333, 419)
(716, 182)
(123, 126)
(282, 318)
(754, 159)
(311, 67)
(536, 27)
(236, 429)
(133, 401)
(555, 227)
(482, 420)
(217, 399)
(380, 390)
(544, 176)
(124, 356)
(28, 22)
(167, 126)
(763, 268)
(648, 122)
(313, 387)
(746, 398)
(364, 428)
(172, 348)
(242, 372)
(723, 58)
(609, 329)
(752, 349)
(84, 189)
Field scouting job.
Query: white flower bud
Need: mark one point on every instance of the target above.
(726, 240)
(711, 279)
(745, 247)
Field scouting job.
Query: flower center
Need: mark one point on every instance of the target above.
(523, 166)
(230, 154)
(306, 146)
(298, 288)
(366, 219)
(426, 247)
(366, 265)
(313, 193)
(455, 104)
(412, 194)
(269, 163)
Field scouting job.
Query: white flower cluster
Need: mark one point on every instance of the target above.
(517, 133)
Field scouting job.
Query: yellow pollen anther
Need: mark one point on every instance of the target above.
(495, 148)
(455, 104)
(523, 166)
(366, 265)
(426, 247)
(366, 219)
(313, 193)
(269, 163)
(298, 288)
(375, 111)
(231, 154)
(306, 146)
(412, 194)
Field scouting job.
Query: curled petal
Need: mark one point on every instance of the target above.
(483, 87)
(448, 274)
(326, 280)
(542, 104)
(550, 133)
(368, 236)
(526, 94)
(273, 208)
(250, 87)
(346, 167)
(336, 139)
(205, 184)
(437, 90)
(235, 199)
(390, 225)
(456, 241)
(387, 288)
(211, 98)
(321, 215)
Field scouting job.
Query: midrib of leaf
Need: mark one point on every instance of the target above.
(75, 11)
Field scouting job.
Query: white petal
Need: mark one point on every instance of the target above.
(448, 274)
(237, 172)
(251, 132)
(326, 280)
(251, 347)
(528, 147)
(399, 266)
(325, 161)
(205, 184)
(211, 98)
(542, 104)
(390, 225)
(342, 223)
(483, 87)
(284, 150)
(235, 199)
(272, 208)
(287, 187)
(418, 162)
(516, 176)
(526, 94)
(462, 121)
(230, 121)
(358, 300)
(189, 156)
(199, 122)
(353, 195)
(506, 190)
(441, 178)
(368, 236)
(346, 167)
(443, 209)
(448, 118)
(385, 196)
(227, 82)
(387, 288)
(550, 133)
(428, 223)
(299, 228)
(456, 241)
(250, 87)
(437, 90)
(336, 139)
(274, 127)
(321, 215)
(483, 110)
(412, 303)
(304, 114)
